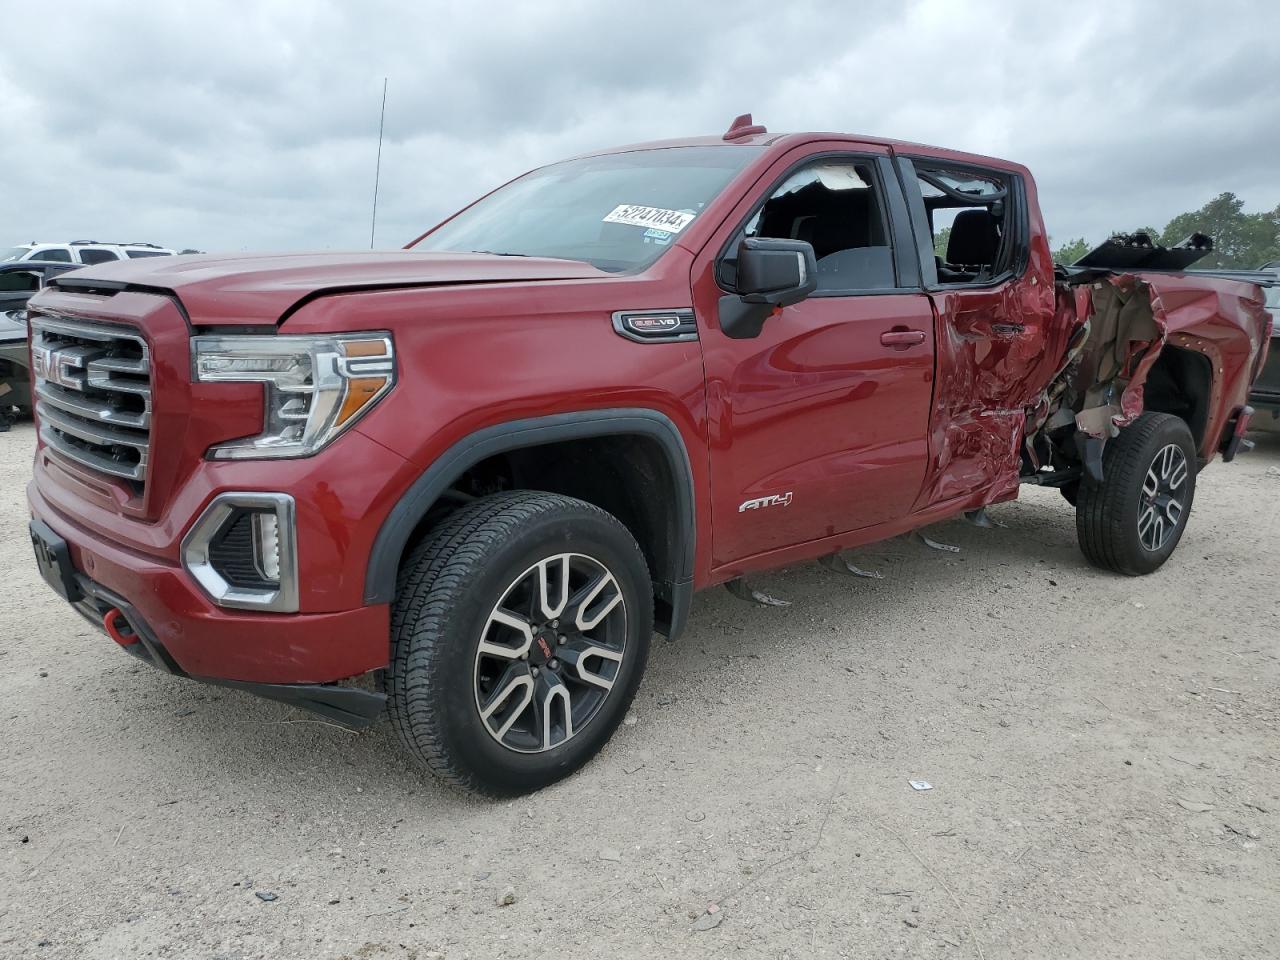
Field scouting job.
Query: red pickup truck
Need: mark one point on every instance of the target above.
(464, 483)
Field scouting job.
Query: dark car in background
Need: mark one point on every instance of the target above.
(1265, 396)
(19, 281)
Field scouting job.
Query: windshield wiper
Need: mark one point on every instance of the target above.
(495, 253)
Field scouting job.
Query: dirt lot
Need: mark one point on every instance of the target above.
(1104, 755)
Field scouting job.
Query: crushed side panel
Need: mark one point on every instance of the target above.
(1127, 329)
(996, 352)
(1131, 318)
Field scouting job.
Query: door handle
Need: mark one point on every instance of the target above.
(901, 338)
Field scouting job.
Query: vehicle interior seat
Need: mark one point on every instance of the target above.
(843, 227)
(971, 247)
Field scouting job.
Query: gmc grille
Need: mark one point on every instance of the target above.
(93, 394)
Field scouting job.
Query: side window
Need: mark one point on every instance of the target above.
(56, 254)
(834, 205)
(140, 254)
(89, 255)
(973, 222)
(15, 281)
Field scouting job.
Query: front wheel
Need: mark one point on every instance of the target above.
(1132, 521)
(520, 631)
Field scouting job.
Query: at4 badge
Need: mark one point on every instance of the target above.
(773, 500)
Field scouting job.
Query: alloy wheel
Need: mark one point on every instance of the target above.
(550, 652)
(1161, 503)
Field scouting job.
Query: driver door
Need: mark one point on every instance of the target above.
(818, 424)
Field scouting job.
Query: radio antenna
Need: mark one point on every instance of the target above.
(377, 170)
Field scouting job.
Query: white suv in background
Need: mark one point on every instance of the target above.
(83, 251)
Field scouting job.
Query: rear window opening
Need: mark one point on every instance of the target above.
(970, 219)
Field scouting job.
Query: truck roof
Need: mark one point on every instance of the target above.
(781, 142)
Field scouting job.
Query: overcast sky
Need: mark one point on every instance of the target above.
(254, 126)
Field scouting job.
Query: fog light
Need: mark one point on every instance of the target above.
(266, 545)
(243, 552)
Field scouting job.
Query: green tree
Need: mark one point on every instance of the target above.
(940, 241)
(1240, 240)
(1072, 251)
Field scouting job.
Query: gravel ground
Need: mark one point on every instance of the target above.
(1104, 755)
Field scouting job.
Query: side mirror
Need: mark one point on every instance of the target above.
(776, 272)
(771, 273)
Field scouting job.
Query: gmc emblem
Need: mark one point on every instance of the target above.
(57, 367)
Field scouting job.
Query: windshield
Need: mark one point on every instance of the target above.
(13, 253)
(616, 212)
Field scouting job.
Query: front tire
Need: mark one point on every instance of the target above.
(519, 634)
(1132, 521)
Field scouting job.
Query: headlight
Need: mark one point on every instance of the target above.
(316, 387)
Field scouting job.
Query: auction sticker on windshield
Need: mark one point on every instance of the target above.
(672, 221)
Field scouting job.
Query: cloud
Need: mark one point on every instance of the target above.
(253, 126)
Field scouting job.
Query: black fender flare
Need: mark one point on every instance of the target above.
(398, 527)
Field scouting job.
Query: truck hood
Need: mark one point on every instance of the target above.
(263, 288)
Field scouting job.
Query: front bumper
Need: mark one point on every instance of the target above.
(207, 642)
(348, 706)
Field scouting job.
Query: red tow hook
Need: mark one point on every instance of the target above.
(118, 629)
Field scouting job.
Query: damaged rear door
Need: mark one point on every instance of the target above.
(989, 275)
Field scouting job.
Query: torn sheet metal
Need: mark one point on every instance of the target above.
(1046, 352)
(1127, 331)
(1128, 320)
(996, 352)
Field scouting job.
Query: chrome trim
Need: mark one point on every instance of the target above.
(675, 325)
(52, 419)
(103, 434)
(195, 552)
(96, 411)
(73, 384)
(88, 457)
(88, 331)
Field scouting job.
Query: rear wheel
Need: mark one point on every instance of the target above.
(520, 631)
(1132, 521)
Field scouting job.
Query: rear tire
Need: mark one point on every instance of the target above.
(1132, 521)
(519, 634)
